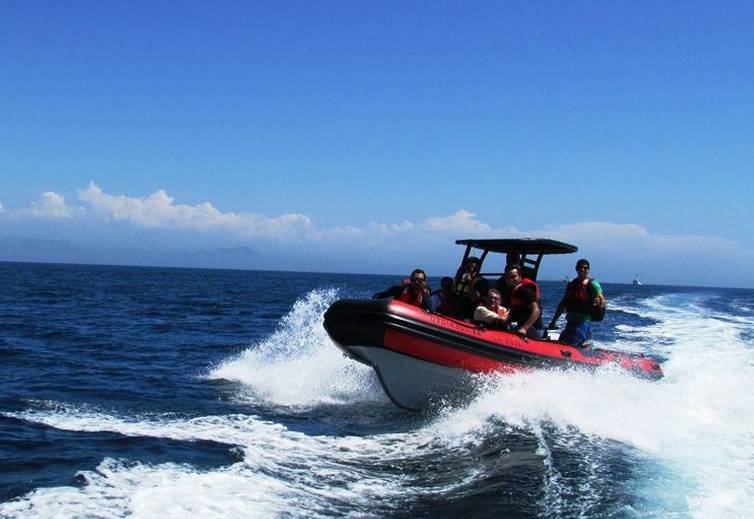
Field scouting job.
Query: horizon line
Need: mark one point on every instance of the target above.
(250, 269)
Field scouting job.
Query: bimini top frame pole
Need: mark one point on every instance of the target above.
(527, 252)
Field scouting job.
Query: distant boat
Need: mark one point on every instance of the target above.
(637, 283)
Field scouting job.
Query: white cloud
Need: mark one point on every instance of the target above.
(336, 234)
(616, 246)
(50, 206)
(393, 228)
(462, 221)
(603, 229)
(159, 210)
(616, 236)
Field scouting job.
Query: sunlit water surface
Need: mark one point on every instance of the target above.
(141, 392)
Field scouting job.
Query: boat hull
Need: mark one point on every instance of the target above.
(413, 383)
(423, 358)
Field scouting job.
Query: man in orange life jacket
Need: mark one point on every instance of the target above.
(521, 295)
(582, 297)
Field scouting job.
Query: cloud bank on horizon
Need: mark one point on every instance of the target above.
(624, 246)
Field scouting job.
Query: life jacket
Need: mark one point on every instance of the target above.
(408, 296)
(579, 300)
(466, 284)
(500, 311)
(516, 301)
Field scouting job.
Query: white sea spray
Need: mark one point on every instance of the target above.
(298, 365)
(690, 432)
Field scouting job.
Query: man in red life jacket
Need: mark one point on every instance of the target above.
(583, 301)
(522, 297)
(491, 313)
(417, 292)
(413, 290)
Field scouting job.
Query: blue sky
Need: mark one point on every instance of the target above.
(367, 136)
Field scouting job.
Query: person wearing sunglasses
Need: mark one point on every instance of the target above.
(413, 290)
(417, 292)
(583, 303)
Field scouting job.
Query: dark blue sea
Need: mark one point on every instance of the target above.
(154, 392)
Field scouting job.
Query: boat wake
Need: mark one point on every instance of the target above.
(695, 424)
(562, 443)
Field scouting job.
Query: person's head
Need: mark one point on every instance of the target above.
(418, 279)
(582, 268)
(494, 298)
(472, 264)
(512, 275)
(446, 283)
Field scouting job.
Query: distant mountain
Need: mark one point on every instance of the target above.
(39, 250)
(60, 251)
(234, 257)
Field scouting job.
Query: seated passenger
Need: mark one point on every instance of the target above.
(413, 290)
(471, 287)
(444, 300)
(521, 295)
(417, 292)
(491, 313)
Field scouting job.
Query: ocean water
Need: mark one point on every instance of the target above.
(148, 392)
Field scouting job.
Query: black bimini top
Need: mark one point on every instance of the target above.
(528, 252)
(521, 246)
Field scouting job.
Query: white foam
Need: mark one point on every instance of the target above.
(299, 365)
(698, 420)
(695, 424)
(115, 490)
(281, 471)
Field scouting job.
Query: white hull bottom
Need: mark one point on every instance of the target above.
(416, 384)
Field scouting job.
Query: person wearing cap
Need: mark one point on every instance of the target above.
(471, 287)
(582, 296)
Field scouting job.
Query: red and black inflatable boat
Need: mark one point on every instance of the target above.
(422, 358)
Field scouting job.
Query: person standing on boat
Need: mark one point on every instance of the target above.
(522, 297)
(492, 313)
(583, 302)
(471, 287)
